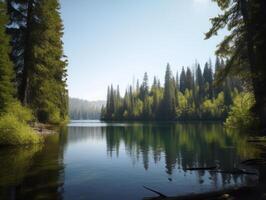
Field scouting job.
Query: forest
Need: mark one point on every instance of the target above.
(200, 132)
(80, 109)
(243, 52)
(32, 68)
(192, 95)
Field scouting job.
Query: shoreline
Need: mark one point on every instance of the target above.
(43, 129)
(238, 193)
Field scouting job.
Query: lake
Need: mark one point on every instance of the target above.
(96, 160)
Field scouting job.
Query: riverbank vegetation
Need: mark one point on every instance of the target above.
(32, 69)
(244, 47)
(192, 95)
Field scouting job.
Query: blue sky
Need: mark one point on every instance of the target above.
(113, 41)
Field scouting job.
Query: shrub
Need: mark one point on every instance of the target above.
(15, 131)
(240, 115)
(49, 114)
(23, 114)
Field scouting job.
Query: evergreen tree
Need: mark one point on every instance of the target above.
(6, 69)
(218, 68)
(144, 89)
(208, 80)
(183, 81)
(37, 50)
(199, 84)
(112, 101)
(244, 46)
(177, 88)
(20, 27)
(189, 79)
(228, 100)
(169, 96)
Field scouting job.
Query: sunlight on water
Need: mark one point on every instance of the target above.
(95, 160)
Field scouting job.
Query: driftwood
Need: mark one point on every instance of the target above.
(161, 196)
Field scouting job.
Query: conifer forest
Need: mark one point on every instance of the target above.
(73, 125)
(192, 95)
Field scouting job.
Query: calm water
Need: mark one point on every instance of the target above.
(94, 160)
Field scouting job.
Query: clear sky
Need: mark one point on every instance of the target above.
(113, 41)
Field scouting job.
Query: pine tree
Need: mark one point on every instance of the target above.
(37, 51)
(200, 84)
(244, 46)
(6, 68)
(177, 88)
(208, 80)
(47, 76)
(112, 101)
(218, 68)
(228, 100)
(169, 96)
(189, 79)
(144, 89)
(183, 81)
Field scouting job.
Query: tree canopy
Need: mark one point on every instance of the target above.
(192, 96)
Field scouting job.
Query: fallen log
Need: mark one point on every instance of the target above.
(156, 192)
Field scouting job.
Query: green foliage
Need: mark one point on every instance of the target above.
(240, 115)
(37, 53)
(244, 47)
(169, 96)
(48, 95)
(22, 113)
(191, 98)
(6, 69)
(16, 132)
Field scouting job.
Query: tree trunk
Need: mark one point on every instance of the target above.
(23, 91)
(256, 60)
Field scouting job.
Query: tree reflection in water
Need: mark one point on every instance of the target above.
(34, 172)
(39, 172)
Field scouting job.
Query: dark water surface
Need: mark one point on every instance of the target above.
(94, 160)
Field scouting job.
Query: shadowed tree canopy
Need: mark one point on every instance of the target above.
(36, 31)
(6, 68)
(244, 46)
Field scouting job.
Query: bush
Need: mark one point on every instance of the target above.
(240, 115)
(23, 114)
(15, 131)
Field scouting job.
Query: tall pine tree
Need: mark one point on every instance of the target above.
(169, 96)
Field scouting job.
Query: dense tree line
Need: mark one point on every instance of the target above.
(192, 95)
(244, 47)
(32, 64)
(82, 109)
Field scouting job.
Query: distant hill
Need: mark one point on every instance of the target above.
(83, 109)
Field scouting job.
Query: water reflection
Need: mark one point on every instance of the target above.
(32, 172)
(183, 146)
(79, 163)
